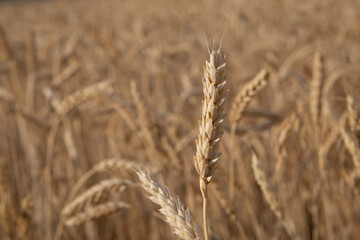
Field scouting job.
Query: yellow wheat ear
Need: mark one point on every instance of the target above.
(211, 125)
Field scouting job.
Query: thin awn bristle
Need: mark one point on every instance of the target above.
(171, 207)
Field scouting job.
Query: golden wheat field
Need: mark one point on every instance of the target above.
(184, 119)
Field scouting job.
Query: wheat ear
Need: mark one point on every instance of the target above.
(80, 96)
(354, 116)
(352, 146)
(266, 187)
(105, 165)
(271, 197)
(281, 152)
(179, 219)
(245, 94)
(211, 126)
(94, 194)
(95, 212)
(238, 108)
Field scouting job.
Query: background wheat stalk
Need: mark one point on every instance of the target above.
(271, 197)
(238, 109)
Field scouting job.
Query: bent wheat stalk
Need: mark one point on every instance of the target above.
(171, 207)
(211, 126)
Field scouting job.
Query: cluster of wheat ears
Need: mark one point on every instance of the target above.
(85, 207)
(105, 105)
(211, 128)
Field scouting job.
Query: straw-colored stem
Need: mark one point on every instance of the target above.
(206, 229)
(203, 187)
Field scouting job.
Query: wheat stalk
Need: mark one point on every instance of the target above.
(228, 208)
(171, 207)
(211, 126)
(4, 46)
(31, 62)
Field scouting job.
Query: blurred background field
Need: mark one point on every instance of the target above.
(70, 72)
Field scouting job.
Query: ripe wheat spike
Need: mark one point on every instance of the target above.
(175, 214)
